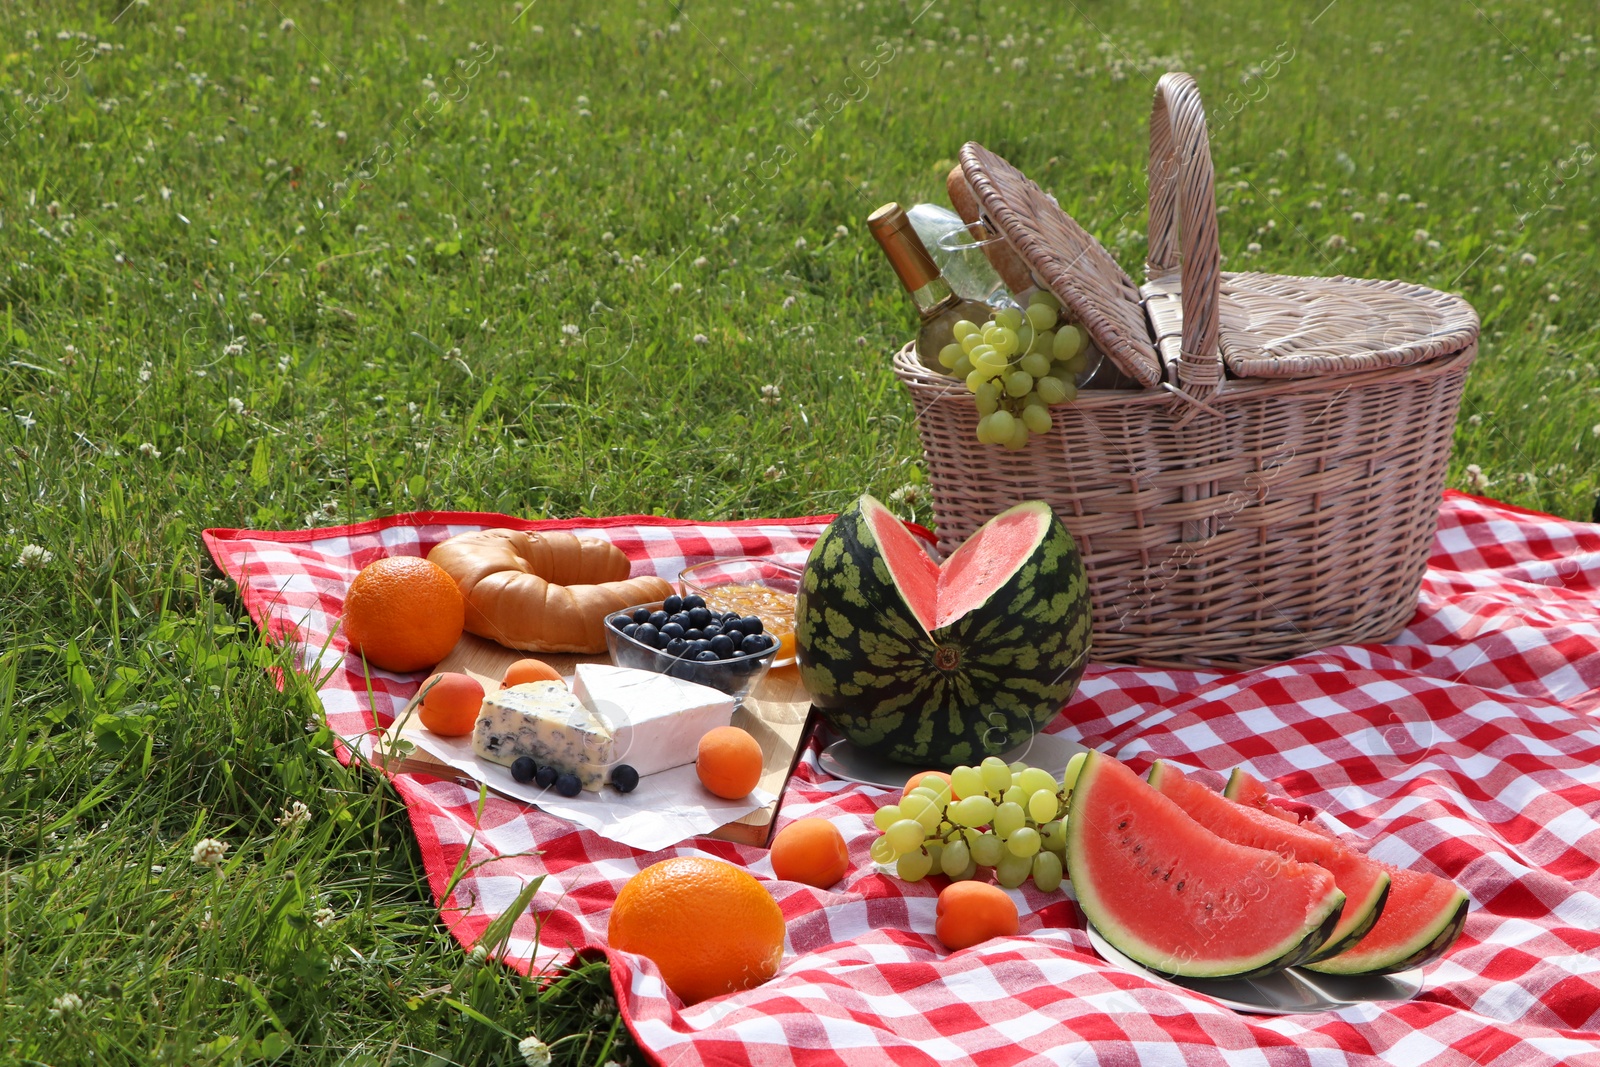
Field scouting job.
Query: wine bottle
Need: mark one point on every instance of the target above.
(938, 306)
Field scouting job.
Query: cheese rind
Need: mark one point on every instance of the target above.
(656, 721)
(546, 721)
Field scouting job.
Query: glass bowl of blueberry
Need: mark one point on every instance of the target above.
(683, 638)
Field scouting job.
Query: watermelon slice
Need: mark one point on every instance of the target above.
(1364, 883)
(1177, 898)
(1243, 789)
(1421, 920)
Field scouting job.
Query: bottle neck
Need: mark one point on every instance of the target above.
(934, 298)
(909, 257)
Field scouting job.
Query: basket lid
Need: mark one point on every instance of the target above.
(1275, 326)
(1065, 259)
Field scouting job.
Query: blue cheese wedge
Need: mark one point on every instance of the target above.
(656, 721)
(546, 721)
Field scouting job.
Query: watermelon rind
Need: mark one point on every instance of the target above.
(981, 685)
(1142, 909)
(1364, 883)
(1427, 943)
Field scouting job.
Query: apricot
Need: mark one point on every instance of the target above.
(970, 913)
(529, 670)
(922, 776)
(810, 851)
(450, 704)
(728, 762)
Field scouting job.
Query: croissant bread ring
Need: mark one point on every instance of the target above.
(543, 592)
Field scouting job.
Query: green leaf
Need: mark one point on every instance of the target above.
(258, 464)
(275, 1045)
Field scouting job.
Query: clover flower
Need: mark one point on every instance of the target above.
(208, 852)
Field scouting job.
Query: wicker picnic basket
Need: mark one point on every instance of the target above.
(1273, 485)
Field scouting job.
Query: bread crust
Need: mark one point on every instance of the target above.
(543, 592)
(1013, 270)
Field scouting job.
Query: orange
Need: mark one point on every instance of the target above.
(922, 776)
(403, 613)
(529, 670)
(728, 762)
(450, 704)
(810, 851)
(970, 913)
(709, 926)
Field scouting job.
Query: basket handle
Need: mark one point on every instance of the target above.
(1183, 225)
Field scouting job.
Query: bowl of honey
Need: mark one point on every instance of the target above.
(750, 585)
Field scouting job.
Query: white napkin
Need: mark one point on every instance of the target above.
(666, 807)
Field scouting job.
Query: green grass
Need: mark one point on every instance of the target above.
(253, 274)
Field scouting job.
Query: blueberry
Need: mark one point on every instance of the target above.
(645, 634)
(677, 646)
(546, 777)
(751, 624)
(707, 656)
(672, 605)
(671, 630)
(641, 615)
(753, 644)
(692, 602)
(619, 621)
(722, 646)
(658, 619)
(681, 618)
(631, 629)
(733, 632)
(523, 768)
(711, 630)
(568, 785)
(693, 635)
(699, 617)
(697, 647)
(624, 778)
(732, 616)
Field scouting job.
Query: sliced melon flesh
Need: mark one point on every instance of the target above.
(1364, 883)
(1177, 898)
(1246, 790)
(939, 594)
(1422, 916)
(1421, 920)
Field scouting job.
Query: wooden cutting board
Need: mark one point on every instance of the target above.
(776, 714)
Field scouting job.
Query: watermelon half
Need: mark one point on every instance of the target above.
(1177, 898)
(939, 665)
(1365, 884)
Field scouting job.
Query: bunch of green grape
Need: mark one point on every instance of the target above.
(1010, 817)
(1017, 365)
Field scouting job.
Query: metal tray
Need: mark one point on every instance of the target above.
(1289, 992)
(842, 759)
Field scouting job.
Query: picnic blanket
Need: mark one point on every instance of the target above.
(1469, 747)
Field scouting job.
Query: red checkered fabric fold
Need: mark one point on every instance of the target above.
(1468, 747)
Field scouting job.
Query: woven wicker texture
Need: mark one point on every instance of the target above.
(1282, 327)
(1318, 509)
(1098, 294)
(1237, 522)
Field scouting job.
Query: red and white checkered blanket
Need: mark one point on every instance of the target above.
(1468, 747)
